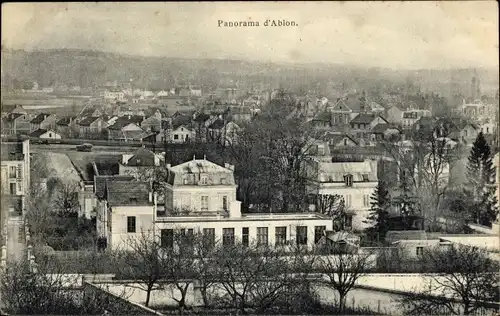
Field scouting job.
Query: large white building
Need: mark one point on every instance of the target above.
(15, 177)
(354, 181)
(200, 196)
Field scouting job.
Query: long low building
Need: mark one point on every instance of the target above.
(200, 196)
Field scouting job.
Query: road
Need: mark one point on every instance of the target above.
(65, 148)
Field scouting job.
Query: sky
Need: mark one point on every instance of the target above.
(398, 35)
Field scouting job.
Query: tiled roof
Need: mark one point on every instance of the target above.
(335, 171)
(395, 235)
(65, 121)
(363, 118)
(202, 117)
(123, 193)
(12, 116)
(380, 128)
(38, 133)
(40, 118)
(123, 121)
(142, 157)
(199, 166)
(181, 120)
(87, 121)
(100, 183)
(335, 138)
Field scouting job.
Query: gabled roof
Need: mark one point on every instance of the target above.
(202, 117)
(100, 183)
(335, 138)
(347, 104)
(127, 193)
(181, 120)
(363, 118)
(142, 157)
(38, 133)
(88, 121)
(40, 118)
(12, 116)
(123, 121)
(65, 121)
(8, 108)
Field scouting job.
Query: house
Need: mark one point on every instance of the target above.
(223, 132)
(66, 127)
(126, 130)
(141, 160)
(91, 111)
(195, 91)
(457, 129)
(163, 93)
(125, 210)
(411, 116)
(16, 123)
(344, 110)
(382, 131)
(15, 178)
(339, 140)
(182, 133)
(45, 134)
(152, 122)
(241, 114)
(113, 95)
(489, 128)
(394, 115)
(91, 127)
(366, 121)
(354, 181)
(43, 121)
(12, 108)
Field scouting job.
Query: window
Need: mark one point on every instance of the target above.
(12, 172)
(348, 180)
(348, 200)
(365, 177)
(18, 171)
(366, 200)
(204, 180)
(244, 236)
(13, 188)
(209, 236)
(176, 137)
(348, 221)
(224, 203)
(301, 235)
(204, 203)
(190, 232)
(280, 236)
(420, 251)
(19, 187)
(131, 224)
(228, 237)
(262, 236)
(345, 141)
(318, 233)
(167, 238)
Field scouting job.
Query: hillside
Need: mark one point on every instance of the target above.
(91, 68)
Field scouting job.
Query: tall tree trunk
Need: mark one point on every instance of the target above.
(148, 295)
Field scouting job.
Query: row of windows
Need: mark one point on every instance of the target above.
(228, 235)
(15, 172)
(190, 179)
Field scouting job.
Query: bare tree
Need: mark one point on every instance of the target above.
(143, 262)
(332, 205)
(66, 199)
(460, 280)
(342, 270)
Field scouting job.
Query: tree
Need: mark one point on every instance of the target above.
(460, 280)
(342, 271)
(481, 175)
(66, 199)
(253, 276)
(143, 262)
(332, 205)
(379, 212)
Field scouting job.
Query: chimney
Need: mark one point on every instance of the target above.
(150, 196)
(169, 166)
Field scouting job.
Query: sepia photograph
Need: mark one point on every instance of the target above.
(250, 158)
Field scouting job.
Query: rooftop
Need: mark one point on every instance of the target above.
(364, 171)
(40, 118)
(245, 217)
(127, 193)
(11, 151)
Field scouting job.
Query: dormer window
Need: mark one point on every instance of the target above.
(348, 180)
(203, 179)
(365, 177)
